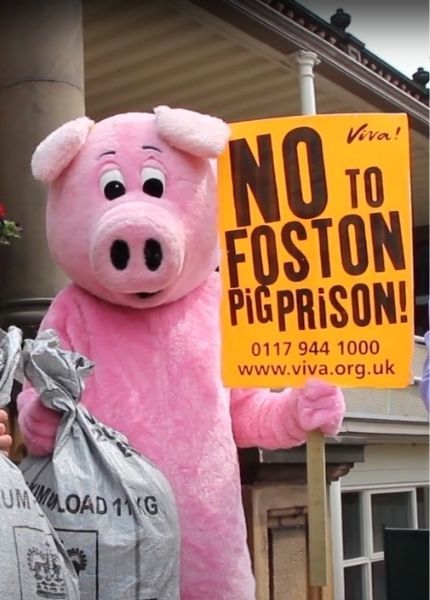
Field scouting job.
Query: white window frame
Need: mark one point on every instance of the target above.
(369, 557)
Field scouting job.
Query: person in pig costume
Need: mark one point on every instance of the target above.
(131, 219)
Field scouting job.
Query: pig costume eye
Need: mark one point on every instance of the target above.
(153, 181)
(112, 184)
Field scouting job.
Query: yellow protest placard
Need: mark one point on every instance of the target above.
(316, 239)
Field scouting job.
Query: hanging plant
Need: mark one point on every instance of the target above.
(8, 229)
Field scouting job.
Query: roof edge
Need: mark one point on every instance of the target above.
(277, 30)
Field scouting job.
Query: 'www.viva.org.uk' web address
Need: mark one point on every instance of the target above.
(359, 370)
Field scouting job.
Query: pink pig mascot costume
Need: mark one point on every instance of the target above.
(131, 219)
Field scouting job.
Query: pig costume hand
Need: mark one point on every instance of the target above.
(131, 219)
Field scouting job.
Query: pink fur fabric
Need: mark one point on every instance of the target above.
(56, 152)
(200, 135)
(148, 316)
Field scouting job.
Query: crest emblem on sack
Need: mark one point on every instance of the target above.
(46, 568)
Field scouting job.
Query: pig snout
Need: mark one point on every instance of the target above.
(152, 252)
(137, 249)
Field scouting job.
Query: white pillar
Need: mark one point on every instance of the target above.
(315, 447)
(337, 539)
(307, 60)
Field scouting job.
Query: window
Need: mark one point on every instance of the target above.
(352, 525)
(423, 507)
(364, 514)
(393, 510)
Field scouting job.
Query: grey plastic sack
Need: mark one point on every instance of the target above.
(113, 510)
(34, 563)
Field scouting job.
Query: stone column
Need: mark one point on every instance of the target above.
(41, 87)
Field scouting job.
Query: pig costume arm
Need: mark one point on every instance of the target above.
(274, 420)
(39, 424)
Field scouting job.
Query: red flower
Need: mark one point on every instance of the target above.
(2, 211)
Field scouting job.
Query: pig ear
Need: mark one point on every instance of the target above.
(200, 135)
(56, 151)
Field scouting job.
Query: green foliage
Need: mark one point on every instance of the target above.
(8, 231)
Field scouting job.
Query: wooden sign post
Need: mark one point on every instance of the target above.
(317, 509)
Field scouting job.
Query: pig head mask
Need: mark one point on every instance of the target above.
(138, 191)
